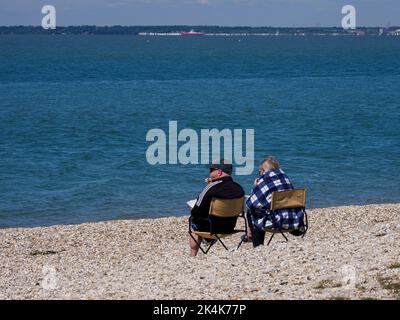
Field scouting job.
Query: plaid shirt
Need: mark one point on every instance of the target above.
(260, 200)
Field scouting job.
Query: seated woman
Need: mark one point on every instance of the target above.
(271, 179)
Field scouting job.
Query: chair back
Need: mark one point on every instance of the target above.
(226, 208)
(223, 214)
(288, 199)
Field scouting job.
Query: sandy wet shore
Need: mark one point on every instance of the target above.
(349, 252)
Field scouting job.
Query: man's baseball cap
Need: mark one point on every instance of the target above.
(225, 167)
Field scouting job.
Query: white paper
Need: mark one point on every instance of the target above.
(191, 203)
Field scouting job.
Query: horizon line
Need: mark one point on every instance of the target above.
(190, 25)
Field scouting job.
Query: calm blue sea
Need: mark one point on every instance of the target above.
(75, 110)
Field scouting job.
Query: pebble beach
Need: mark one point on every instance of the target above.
(350, 252)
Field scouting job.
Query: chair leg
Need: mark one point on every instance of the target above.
(283, 235)
(199, 244)
(209, 247)
(219, 239)
(270, 239)
(194, 239)
(245, 231)
(240, 243)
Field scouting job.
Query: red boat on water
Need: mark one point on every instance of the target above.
(192, 33)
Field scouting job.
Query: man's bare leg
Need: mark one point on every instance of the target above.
(249, 233)
(194, 247)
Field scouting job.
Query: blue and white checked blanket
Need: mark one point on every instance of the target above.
(260, 200)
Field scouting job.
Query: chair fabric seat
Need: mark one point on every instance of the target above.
(207, 235)
(277, 230)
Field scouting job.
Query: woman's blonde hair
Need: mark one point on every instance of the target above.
(273, 162)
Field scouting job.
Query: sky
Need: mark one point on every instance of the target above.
(276, 13)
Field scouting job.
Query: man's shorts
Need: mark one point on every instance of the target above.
(203, 226)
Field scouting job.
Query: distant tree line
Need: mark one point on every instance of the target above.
(134, 30)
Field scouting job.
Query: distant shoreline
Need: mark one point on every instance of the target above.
(204, 30)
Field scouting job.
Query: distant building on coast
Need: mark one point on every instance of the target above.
(159, 33)
(174, 33)
(203, 30)
(395, 33)
(192, 33)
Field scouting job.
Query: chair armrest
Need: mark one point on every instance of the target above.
(203, 219)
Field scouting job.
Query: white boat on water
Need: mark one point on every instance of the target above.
(192, 33)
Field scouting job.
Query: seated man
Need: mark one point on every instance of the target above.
(220, 185)
(272, 178)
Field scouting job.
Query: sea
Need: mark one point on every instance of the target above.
(75, 111)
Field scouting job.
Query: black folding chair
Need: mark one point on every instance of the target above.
(222, 218)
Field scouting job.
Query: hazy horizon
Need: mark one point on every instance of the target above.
(199, 26)
(227, 13)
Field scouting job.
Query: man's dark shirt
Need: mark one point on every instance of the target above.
(222, 188)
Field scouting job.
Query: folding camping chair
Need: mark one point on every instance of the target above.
(222, 218)
(288, 199)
